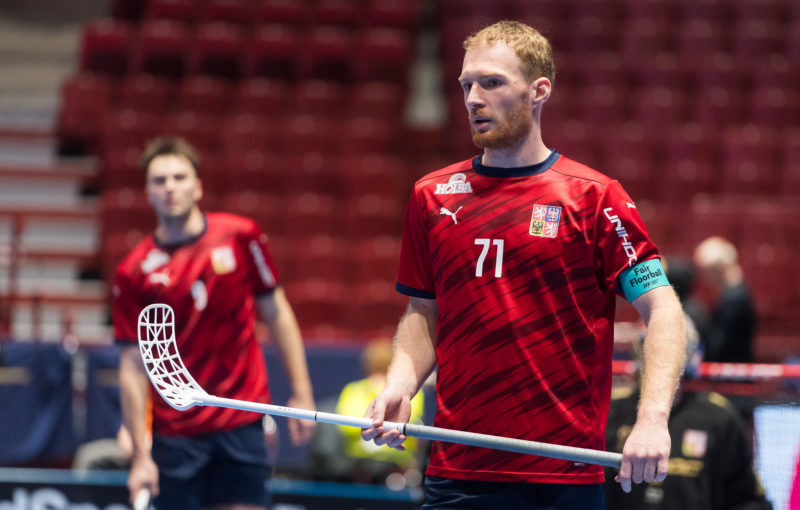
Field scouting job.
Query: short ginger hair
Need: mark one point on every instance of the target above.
(532, 48)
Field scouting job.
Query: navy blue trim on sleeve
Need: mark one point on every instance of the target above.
(411, 291)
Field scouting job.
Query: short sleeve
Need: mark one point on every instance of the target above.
(622, 241)
(415, 273)
(126, 305)
(258, 260)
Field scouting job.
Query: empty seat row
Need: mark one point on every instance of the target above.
(173, 49)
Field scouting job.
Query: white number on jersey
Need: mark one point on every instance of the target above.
(498, 264)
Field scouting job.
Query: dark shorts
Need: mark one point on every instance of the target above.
(446, 493)
(222, 468)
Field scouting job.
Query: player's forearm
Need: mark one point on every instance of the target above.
(414, 356)
(664, 354)
(134, 392)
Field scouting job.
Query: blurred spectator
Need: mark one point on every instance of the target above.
(711, 460)
(341, 454)
(733, 317)
(106, 453)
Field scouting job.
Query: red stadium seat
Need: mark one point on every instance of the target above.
(246, 132)
(645, 37)
(181, 11)
(343, 13)
(402, 14)
(267, 210)
(790, 155)
(320, 98)
(273, 52)
(377, 99)
(263, 172)
(328, 54)
(716, 11)
(238, 12)
(664, 11)
(105, 47)
(304, 133)
(774, 107)
(664, 70)
(770, 11)
(161, 49)
(660, 106)
(199, 129)
(700, 36)
(629, 157)
(758, 39)
(261, 97)
(384, 55)
(217, 50)
(131, 11)
(288, 12)
(315, 213)
(120, 169)
(376, 174)
(750, 160)
(203, 94)
(128, 128)
(604, 68)
(146, 92)
(373, 215)
(376, 259)
(370, 134)
(377, 309)
(602, 104)
(85, 100)
(690, 162)
(592, 34)
(717, 107)
(321, 308)
(314, 172)
(318, 256)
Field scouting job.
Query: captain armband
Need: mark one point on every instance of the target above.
(642, 277)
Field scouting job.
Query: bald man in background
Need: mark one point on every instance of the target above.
(733, 317)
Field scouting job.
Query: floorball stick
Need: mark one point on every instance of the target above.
(142, 501)
(175, 384)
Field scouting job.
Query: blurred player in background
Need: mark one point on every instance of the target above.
(215, 271)
(732, 321)
(711, 462)
(512, 261)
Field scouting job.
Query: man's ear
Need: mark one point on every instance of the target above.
(540, 90)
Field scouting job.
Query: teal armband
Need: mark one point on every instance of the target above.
(642, 277)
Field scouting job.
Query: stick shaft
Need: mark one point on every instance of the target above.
(570, 453)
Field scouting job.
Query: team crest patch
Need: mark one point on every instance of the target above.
(457, 183)
(545, 220)
(223, 260)
(694, 443)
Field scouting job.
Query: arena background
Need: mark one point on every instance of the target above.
(315, 117)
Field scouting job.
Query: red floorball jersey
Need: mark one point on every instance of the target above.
(523, 263)
(211, 283)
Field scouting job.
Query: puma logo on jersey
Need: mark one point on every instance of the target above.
(446, 211)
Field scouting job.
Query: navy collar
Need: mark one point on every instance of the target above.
(519, 171)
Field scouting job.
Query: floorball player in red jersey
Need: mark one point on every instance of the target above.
(216, 272)
(512, 261)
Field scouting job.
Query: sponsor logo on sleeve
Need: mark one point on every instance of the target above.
(457, 183)
(155, 258)
(223, 261)
(622, 234)
(545, 220)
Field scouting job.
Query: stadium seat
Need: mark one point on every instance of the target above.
(181, 11)
(376, 174)
(161, 49)
(384, 55)
(378, 99)
(629, 157)
(85, 100)
(105, 47)
(645, 37)
(370, 134)
(375, 259)
(755, 39)
(303, 133)
(750, 160)
(328, 54)
(663, 11)
(237, 12)
(769, 11)
(120, 169)
(247, 132)
(314, 212)
(314, 172)
(320, 98)
(591, 70)
(267, 210)
(790, 155)
(261, 97)
(689, 162)
(131, 11)
(341, 13)
(700, 36)
(373, 215)
(321, 307)
(774, 107)
(216, 50)
(273, 52)
(593, 34)
(318, 256)
(660, 106)
(286, 12)
(203, 94)
(715, 11)
(128, 128)
(199, 129)
(146, 92)
(717, 107)
(602, 104)
(402, 14)
(663, 70)
(377, 309)
(574, 140)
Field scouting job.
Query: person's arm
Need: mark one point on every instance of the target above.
(134, 394)
(646, 452)
(284, 331)
(413, 359)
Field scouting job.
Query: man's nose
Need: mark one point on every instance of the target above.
(474, 99)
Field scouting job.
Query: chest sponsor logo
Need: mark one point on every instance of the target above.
(223, 261)
(155, 258)
(457, 183)
(545, 220)
(694, 444)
